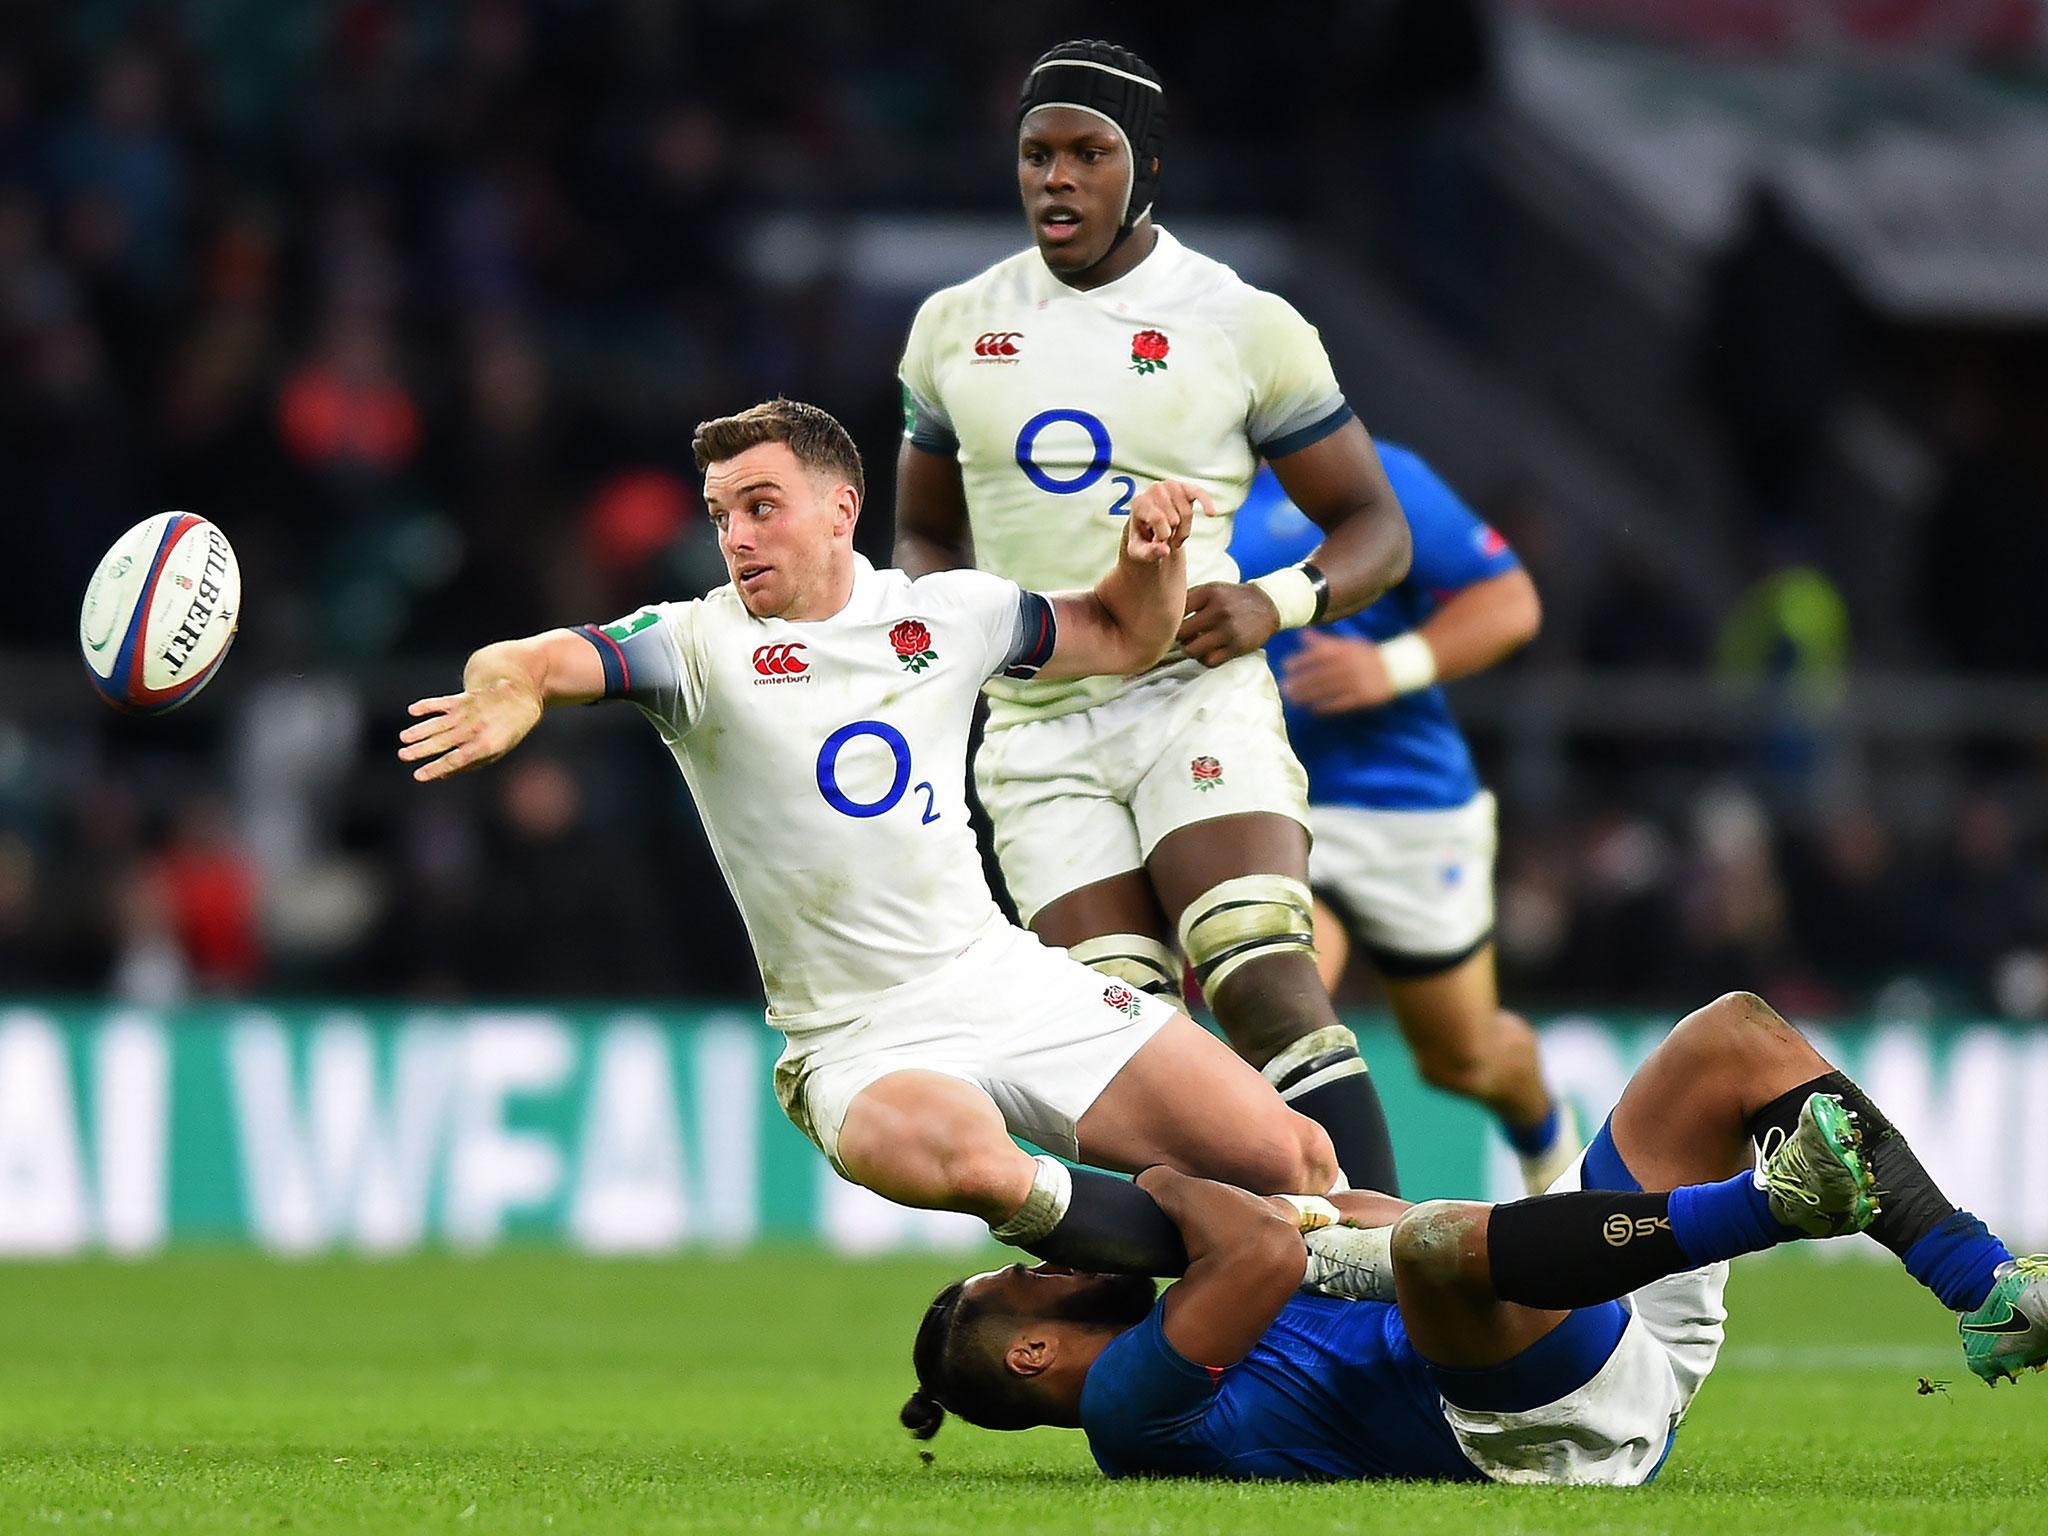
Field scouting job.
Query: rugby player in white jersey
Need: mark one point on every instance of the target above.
(1108, 370)
(819, 710)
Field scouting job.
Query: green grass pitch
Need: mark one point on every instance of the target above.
(546, 1393)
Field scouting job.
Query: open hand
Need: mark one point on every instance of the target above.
(461, 731)
(1333, 674)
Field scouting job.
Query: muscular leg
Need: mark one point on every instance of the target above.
(1685, 1116)
(1946, 1249)
(1273, 1006)
(1681, 1121)
(1443, 1283)
(1186, 1101)
(1725, 1074)
(935, 1142)
(1122, 903)
(1466, 1043)
(1116, 927)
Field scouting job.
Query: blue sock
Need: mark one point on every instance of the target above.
(1529, 1140)
(1719, 1221)
(1955, 1259)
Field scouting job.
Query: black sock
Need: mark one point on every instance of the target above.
(1946, 1249)
(1582, 1248)
(1349, 1109)
(1334, 1089)
(1113, 1227)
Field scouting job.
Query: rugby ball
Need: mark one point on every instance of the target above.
(160, 613)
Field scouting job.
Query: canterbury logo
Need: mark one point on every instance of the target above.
(997, 343)
(780, 660)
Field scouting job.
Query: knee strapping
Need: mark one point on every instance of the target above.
(1245, 919)
(1135, 959)
(1319, 1057)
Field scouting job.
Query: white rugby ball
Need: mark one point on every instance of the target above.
(160, 613)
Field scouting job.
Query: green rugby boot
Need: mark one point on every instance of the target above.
(1816, 1178)
(2009, 1333)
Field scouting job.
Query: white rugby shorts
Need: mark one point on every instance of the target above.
(1413, 888)
(1042, 1034)
(1083, 796)
(1616, 1429)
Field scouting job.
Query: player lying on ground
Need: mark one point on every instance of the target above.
(1505, 1352)
(1404, 832)
(1046, 398)
(819, 711)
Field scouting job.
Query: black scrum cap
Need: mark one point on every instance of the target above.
(1114, 84)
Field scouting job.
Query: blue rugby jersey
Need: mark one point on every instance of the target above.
(1407, 755)
(1334, 1390)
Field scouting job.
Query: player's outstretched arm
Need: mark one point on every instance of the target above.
(1340, 484)
(931, 513)
(1245, 1262)
(1476, 628)
(504, 689)
(1126, 622)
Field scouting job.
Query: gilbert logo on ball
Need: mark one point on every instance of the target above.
(160, 613)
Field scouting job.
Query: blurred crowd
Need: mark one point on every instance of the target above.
(421, 301)
(577, 869)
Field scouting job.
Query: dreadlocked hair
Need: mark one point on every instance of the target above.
(960, 1371)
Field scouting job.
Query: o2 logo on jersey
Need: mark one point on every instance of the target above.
(1098, 464)
(899, 782)
(781, 664)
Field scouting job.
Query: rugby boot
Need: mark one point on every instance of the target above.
(2009, 1333)
(1816, 1178)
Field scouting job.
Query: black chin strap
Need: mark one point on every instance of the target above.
(1123, 233)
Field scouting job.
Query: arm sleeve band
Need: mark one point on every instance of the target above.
(1037, 632)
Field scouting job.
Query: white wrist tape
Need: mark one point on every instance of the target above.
(1409, 661)
(1292, 592)
(1312, 1212)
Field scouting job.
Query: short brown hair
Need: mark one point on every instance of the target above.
(814, 436)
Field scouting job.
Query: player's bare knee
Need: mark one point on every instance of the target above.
(1439, 1242)
(1290, 1156)
(1737, 1028)
(1316, 1165)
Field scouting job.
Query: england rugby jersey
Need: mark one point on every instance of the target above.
(1061, 405)
(828, 761)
